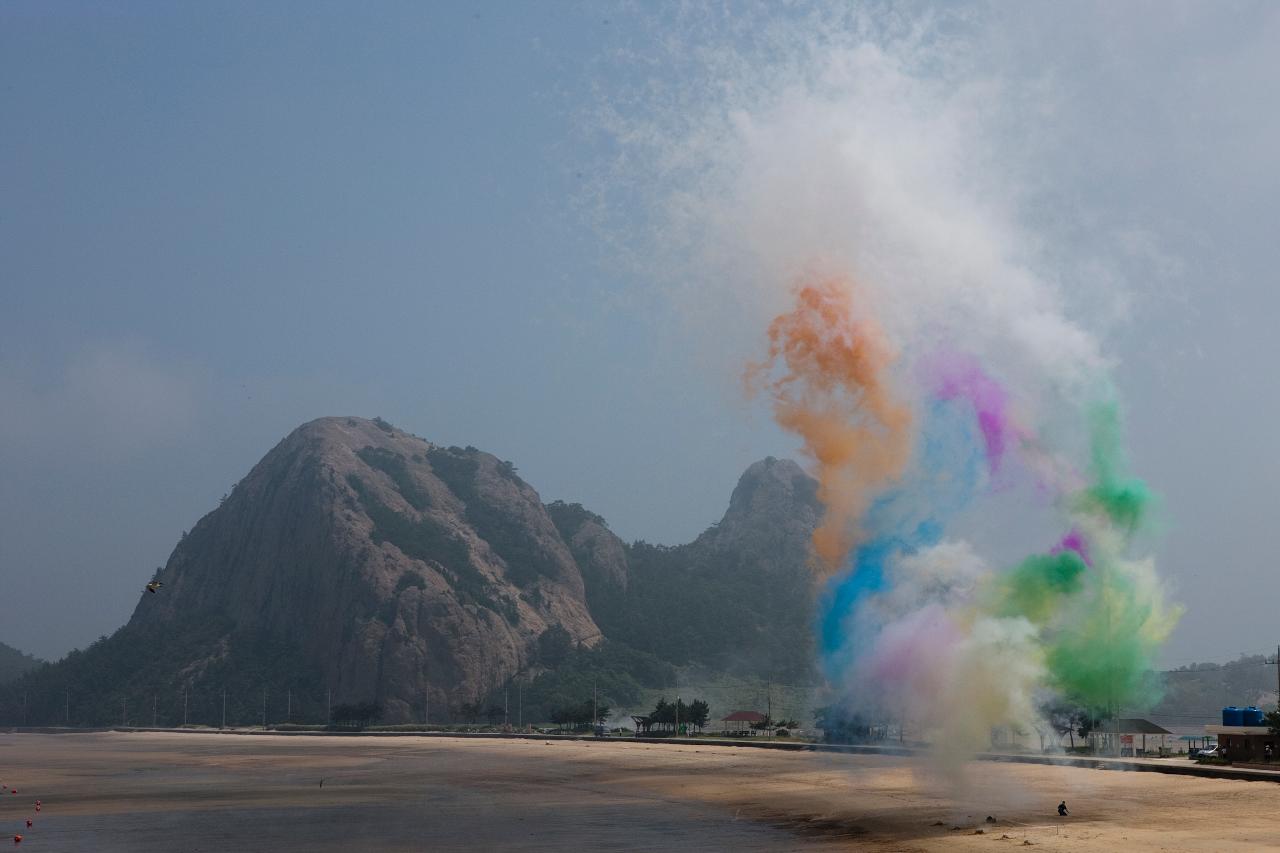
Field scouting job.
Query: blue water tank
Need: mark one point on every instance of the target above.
(1253, 717)
(1232, 716)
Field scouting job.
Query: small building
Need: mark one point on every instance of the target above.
(742, 723)
(1136, 737)
(1245, 744)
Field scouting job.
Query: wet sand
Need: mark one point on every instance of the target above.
(189, 792)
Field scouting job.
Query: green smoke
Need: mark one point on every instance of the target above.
(1036, 588)
(1101, 622)
(1103, 655)
(1102, 648)
(1123, 499)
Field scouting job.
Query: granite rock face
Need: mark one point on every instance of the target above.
(397, 566)
(773, 510)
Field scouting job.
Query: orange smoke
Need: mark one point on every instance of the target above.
(833, 393)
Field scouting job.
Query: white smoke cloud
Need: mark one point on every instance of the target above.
(871, 145)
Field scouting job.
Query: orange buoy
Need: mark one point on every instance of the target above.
(17, 839)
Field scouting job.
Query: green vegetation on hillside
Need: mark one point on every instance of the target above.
(618, 674)
(394, 466)
(1203, 689)
(509, 538)
(716, 607)
(731, 609)
(568, 517)
(429, 540)
(140, 673)
(14, 663)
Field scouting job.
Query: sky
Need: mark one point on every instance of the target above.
(220, 221)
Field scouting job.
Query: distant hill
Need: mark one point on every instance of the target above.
(14, 663)
(1202, 690)
(357, 562)
(738, 599)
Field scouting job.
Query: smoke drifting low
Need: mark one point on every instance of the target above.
(838, 175)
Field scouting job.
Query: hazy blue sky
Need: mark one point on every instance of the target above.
(218, 221)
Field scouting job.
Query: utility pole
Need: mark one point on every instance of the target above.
(155, 711)
(1113, 702)
(1278, 678)
(224, 707)
(426, 704)
(328, 707)
(124, 712)
(264, 708)
(506, 717)
(24, 707)
(184, 706)
(68, 709)
(676, 733)
(288, 705)
(520, 704)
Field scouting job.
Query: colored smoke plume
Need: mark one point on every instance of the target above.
(961, 377)
(921, 631)
(834, 393)
(869, 146)
(1123, 499)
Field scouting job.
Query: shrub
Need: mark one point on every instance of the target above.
(356, 715)
(410, 579)
(509, 538)
(394, 466)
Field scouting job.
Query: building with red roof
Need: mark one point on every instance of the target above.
(742, 722)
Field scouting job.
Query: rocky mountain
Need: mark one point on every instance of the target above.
(14, 663)
(739, 598)
(357, 562)
(402, 566)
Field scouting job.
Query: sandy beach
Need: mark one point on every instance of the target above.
(192, 792)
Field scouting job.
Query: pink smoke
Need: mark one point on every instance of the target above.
(1074, 541)
(960, 376)
(910, 655)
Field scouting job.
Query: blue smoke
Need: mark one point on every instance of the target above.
(912, 516)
